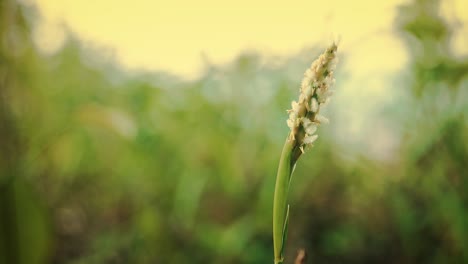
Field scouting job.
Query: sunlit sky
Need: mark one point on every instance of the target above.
(175, 35)
(180, 36)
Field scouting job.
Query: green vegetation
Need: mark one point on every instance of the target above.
(99, 165)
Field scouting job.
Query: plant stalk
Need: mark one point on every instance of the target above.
(280, 200)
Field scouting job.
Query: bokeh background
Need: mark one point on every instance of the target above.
(149, 132)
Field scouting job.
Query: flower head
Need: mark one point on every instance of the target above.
(304, 117)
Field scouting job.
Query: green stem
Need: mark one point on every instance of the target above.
(280, 200)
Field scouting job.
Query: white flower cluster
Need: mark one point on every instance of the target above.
(304, 116)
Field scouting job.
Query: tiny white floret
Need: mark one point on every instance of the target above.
(321, 119)
(310, 139)
(314, 105)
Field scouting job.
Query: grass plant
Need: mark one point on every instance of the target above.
(304, 119)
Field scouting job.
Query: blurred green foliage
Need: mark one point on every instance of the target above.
(98, 165)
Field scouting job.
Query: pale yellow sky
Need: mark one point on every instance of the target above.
(173, 35)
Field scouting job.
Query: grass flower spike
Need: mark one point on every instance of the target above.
(304, 116)
(304, 119)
